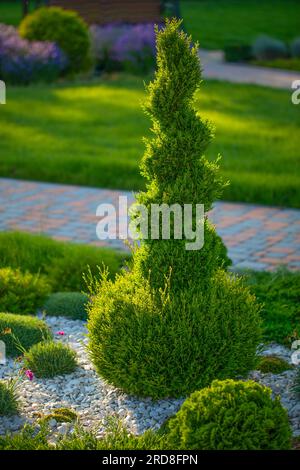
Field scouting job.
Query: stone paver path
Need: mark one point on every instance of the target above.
(257, 237)
(214, 67)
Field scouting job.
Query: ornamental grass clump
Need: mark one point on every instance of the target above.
(9, 404)
(176, 319)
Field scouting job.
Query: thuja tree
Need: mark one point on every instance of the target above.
(175, 320)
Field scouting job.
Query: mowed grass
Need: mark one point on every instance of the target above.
(11, 11)
(91, 134)
(216, 22)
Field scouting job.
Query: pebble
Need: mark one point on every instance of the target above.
(94, 400)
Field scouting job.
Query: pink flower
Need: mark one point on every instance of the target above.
(61, 333)
(29, 374)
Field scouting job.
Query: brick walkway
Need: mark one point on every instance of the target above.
(257, 237)
(214, 67)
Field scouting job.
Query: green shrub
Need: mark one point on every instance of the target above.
(279, 294)
(8, 400)
(27, 330)
(49, 359)
(273, 365)
(267, 48)
(237, 52)
(176, 320)
(61, 415)
(171, 347)
(21, 292)
(62, 263)
(295, 48)
(63, 27)
(67, 304)
(230, 415)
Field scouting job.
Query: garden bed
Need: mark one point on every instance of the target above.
(95, 401)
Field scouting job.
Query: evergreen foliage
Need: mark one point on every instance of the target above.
(176, 320)
(230, 415)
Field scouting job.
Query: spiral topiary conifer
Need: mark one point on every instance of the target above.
(177, 319)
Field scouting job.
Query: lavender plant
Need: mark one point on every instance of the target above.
(129, 47)
(24, 62)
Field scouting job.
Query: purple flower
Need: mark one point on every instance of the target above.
(124, 45)
(29, 374)
(61, 333)
(23, 61)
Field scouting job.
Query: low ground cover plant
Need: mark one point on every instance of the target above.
(67, 304)
(9, 405)
(273, 365)
(62, 263)
(21, 292)
(169, 292)
(49, 358)
(22, 330)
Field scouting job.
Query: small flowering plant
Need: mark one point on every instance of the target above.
(60, 333)
(23, 371)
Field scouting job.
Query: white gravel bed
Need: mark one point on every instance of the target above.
(94, 400)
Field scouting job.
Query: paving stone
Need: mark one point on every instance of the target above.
(257, 237)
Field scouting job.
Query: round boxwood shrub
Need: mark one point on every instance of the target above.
(49, 359)
(26, 330)
(273, 365)
(230, 415)
(176, 319)
(8, 400)
(63, 27)
(67, 304)
(21, 292)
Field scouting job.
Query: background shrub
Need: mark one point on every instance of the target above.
(28, 331)
(230, 415)
(124, 47)
(267, 48)
(273, 365)
(23, 62)
(21, 292)
(63, 263)
(295, 48)
(237, 52)
(63, 27)
(8, 400)
(67, 304)
(49, 359)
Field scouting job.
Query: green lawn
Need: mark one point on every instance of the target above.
(215, 22)
(91, 134)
